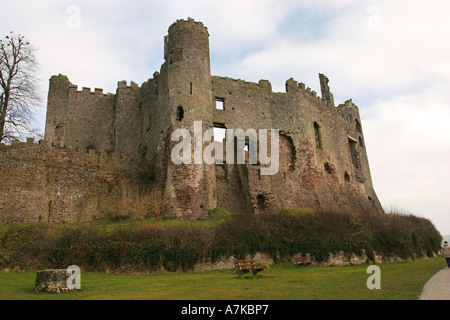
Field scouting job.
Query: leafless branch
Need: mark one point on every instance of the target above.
(19, 95)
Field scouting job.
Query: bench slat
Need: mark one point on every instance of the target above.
(244, 266)
(301, 260)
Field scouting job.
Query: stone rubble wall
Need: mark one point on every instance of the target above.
(39, 183)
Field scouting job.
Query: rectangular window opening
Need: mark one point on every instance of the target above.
(318, 135)
(220, 133)
(220, 104)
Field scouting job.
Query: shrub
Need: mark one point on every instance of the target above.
(149, 248)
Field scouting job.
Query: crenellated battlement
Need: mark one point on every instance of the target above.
(124, 85)
(262, 84)
(74, 155)
(293, 87)
(189, 23)
(89, 91)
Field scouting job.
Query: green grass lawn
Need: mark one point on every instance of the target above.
(399, 281)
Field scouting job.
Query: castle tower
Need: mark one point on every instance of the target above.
(57, 110)
(190, 187)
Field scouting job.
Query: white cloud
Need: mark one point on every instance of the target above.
(409, 143)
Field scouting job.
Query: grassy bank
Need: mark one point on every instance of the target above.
(399, 281)
(151, 246)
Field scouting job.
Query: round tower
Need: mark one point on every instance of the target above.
(189, 97)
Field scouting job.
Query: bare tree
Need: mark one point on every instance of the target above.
(19, 95)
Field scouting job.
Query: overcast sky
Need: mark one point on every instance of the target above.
(391, 57)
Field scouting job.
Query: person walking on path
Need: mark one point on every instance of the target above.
(446, 253)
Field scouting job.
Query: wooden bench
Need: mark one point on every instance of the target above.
(302, 261)
(244, 266)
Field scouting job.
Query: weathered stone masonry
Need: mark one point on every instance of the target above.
(323, 158)
(40, 183)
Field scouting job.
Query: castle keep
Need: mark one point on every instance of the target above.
(323, 162)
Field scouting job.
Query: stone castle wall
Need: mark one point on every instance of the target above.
(40, 183)
(323, 158)
(81, 119)
(314, 174)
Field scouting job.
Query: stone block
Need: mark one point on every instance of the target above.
(52, 280)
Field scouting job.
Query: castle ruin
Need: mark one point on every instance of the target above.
(323, 162)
